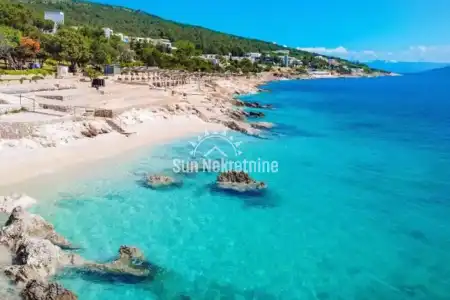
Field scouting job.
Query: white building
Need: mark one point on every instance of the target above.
(322, 58)
(214, 58)
(254, 55)
(138, 39)
(120, 35)
(56, 16)
(164, 42)
(209, 56)
(108, 32)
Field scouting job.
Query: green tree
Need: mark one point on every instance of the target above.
(74, 47)
(185, 49)
(9, 40)
(103, 53)
(151, 57)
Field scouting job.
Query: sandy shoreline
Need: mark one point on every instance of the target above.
(25, 165)
(57, 147)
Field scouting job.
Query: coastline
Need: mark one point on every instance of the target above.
(171, 121)
(208, 110)
(23, 166)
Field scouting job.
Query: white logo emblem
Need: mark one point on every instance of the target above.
(226, 142)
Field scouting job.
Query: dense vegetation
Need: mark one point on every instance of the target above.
(22, 40)
(142, 24)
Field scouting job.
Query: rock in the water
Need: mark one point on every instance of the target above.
(21, 223)
(8, 203)
(239, 181)
(38, 290)
(256, 114)
(262, 125)
(36, 258)
(131, 262)
(238, 115)
(241, 127)
(252, 104)
(159, 181)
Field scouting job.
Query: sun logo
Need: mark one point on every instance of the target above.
(222, 136)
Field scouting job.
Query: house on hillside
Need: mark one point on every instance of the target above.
(138, 39)
(334, 62)
(164, 42)
(120, 35)
(213, 58)
(56, 16)
(322, 58)
(253, 56)
(108, 32)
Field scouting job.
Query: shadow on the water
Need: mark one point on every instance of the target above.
(169, 285)
(103, 277)
(258, 198)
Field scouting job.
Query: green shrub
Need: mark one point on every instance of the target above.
(92, 73)
(16, 111)
(43, 72)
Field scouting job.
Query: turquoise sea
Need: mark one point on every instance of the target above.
(359, 208)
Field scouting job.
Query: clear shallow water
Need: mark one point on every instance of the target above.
(358, 210)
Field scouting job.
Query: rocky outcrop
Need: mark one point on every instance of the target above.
(131, 262)
(255, 114)
(262, 125)
(241, 127)
(252, 104)
(94, 128)
(8, 203)
(39, 290)
(238, 115)
(38, 259)
(239, 182)
(160, 181)
(35, 248)
(21, 223)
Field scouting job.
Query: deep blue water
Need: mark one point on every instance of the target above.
(358, 210)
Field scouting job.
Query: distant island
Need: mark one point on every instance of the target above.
(80, 34)
(403, 67)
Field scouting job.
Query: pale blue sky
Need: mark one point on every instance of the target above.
(407, 30)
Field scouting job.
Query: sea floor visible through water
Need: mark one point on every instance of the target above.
(357, 210)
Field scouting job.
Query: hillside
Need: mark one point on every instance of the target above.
(139, 23)
(443, 72)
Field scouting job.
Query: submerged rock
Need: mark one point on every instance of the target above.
(39, 290)
(160, 181)
(262, 125)
(239, 182)
(256, 114)
(131, 262)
